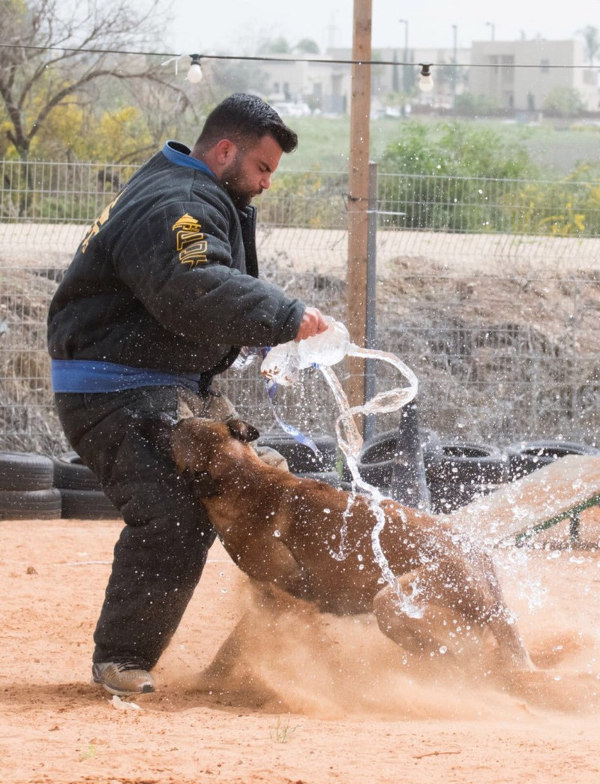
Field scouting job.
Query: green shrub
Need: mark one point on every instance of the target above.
(463, 161)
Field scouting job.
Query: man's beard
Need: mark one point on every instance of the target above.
(230, 180)
(241, 199)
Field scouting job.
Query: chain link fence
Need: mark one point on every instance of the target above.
(496, 314)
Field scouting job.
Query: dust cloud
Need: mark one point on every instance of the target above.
(284, 656)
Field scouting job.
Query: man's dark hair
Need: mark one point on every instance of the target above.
(243, 117)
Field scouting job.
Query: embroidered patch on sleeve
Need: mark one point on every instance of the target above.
(189, 241)
(98, 223)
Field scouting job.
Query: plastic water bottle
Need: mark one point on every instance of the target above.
(283, 362)
(326, 348)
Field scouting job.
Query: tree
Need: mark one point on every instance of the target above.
(275, 46)
(460, 159)
(456, 149)
(592, 43)
(50, 57)
(307, 46)
(564, 102)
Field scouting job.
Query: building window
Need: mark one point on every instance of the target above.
(545, 66)
(508, 70)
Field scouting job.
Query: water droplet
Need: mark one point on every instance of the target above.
(443, 649)
(276, 533)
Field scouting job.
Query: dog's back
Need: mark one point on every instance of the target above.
(334, 548)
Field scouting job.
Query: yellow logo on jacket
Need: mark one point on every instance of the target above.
(98, 223)
(189, 241)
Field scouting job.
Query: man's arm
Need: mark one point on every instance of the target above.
(202, 295)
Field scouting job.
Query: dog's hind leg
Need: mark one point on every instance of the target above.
(452, 607)
(420, 627)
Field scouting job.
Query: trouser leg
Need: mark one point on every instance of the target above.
(162, 549)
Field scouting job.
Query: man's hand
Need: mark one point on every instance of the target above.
(313, 323)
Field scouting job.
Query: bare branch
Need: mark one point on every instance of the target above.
(44, 59)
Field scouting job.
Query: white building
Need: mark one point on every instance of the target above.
(519, 75)
(516, 76)
(324, 86)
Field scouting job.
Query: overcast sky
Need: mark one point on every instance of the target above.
(233, 25)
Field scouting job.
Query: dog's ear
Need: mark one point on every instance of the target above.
(241, 430)
(183, 410)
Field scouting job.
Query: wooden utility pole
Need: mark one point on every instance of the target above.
(358, 198)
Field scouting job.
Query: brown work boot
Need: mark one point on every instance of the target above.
(122, 678)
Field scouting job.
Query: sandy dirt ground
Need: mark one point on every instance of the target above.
(312, 698)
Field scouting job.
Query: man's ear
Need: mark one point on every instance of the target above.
(241, 430)
(225, 151)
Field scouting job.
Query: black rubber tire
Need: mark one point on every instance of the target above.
(459, 472)
(88, 505)
(71, 474)
(301, 458)
(25, 471)
(30, 504)
(466, 463)
(375, 461)
(446, 497)
(528, 456)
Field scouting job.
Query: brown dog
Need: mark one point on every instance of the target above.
(317, 543)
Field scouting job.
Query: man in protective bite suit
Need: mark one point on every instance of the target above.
(159, 298)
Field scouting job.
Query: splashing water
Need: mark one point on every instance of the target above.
(325, 350)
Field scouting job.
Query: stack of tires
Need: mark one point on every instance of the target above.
(82, 497)
(528, 456)
(26, 487)
(459, 472)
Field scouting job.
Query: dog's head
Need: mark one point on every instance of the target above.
(204, 446)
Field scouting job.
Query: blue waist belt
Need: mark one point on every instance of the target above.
(88, 375)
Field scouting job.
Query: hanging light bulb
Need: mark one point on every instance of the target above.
(425, 80)
(194, 74)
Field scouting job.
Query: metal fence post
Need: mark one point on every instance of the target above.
(370, 294)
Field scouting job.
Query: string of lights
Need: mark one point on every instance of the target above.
(171, 56)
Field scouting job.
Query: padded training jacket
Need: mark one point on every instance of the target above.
(166, 278)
